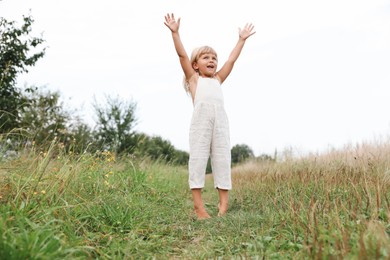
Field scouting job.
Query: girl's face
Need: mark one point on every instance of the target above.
(206, 65)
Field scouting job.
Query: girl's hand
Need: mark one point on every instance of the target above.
(171, 23)
(246, 32)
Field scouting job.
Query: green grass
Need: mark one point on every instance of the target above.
(333, 206)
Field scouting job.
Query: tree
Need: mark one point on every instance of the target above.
(240, 153)
(15, 47)
(181, 157)
(265, 157)
(157, 148)
(114, 125)
(80, 137)
(44, 117)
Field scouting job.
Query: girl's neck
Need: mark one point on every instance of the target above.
(206, 77)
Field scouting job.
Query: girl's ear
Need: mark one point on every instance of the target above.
(195, 66)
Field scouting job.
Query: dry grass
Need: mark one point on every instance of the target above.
(337, 202)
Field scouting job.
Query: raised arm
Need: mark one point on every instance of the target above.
(185, 63)
(243, 34)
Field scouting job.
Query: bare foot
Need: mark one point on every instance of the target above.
(222, 209)
(223, 202)
(200, 211)
(202, 214)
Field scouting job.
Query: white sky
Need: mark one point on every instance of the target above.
(316, 75)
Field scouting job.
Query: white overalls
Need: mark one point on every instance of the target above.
(209, 134)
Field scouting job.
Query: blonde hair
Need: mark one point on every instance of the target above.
(195, 55)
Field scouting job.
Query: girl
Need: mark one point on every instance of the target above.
(209, 130)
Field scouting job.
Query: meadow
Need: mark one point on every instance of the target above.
(334, 205)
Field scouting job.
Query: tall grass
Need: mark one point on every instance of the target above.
(330, 206)
(55, 205)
